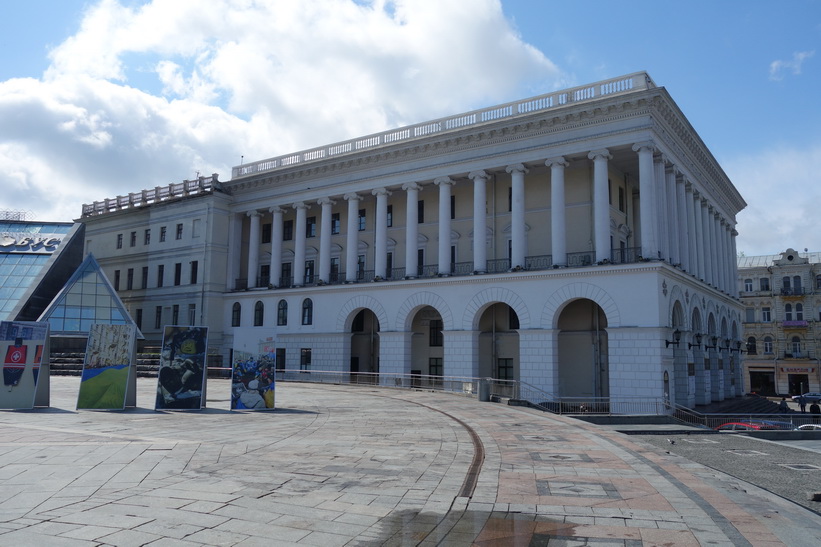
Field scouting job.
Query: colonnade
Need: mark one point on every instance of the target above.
(676, 221)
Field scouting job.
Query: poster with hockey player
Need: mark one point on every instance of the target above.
(109, 378)
(182, 373)
(22, 346)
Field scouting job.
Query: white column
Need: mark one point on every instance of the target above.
(351, 241)
(479, 179)
(698, 232)
(558, 226)
(672, 215)
(234, 250)
(661, 207)
(444, 184)
(299, 243)
(411, 227)
(381, 228)
(683, 225)
(601, 204)
(253, 249)
(325, 239)
(276, 245)
(517, 223)
(715, 259)
(705, 242)
(732, 279)
(692, 246)
(647, 200)
(725, 256)
(734, 273)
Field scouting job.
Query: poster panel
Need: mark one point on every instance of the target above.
(110, 356)
(181, 377)
(253, 368)
(23, 348)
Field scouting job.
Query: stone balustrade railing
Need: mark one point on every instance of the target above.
(160, 193)
(622, 84)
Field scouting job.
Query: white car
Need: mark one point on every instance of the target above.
(811, 397)
(809, 427)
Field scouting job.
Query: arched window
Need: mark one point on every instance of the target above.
(307, 312)
(764, 283)
(796, 284)
(768, 345)
(788, 312)
(236, 313)
(818, 281)
(259, 312)
(282, 313)
(751, 349)
(799, 312)
(796, 346)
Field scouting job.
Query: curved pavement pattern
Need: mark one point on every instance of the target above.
(361, 465)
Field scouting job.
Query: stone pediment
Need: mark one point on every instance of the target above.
(791, 256)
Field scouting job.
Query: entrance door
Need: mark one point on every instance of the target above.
(799, 383)
(762, 383)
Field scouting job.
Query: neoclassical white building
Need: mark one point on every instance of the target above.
(582, 242)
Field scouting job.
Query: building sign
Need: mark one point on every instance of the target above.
(797, 370)
(794, 324)
(18, 242)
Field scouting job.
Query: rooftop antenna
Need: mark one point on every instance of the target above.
(241, 160)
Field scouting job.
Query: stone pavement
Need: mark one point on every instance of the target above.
(361, 465)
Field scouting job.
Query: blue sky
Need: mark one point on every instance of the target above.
(105, 97)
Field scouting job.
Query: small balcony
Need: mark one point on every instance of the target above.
(794, 325)
(792, 292)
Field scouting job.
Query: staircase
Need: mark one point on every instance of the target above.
(71, 364)
(748, 404)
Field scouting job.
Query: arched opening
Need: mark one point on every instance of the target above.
(364, 347)
(427, 347)
(583, 363)
(499, 342)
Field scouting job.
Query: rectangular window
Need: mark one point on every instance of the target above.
(362, 219)
(116, 280)
(505, 369)
(129, 279)
(420, 261)
(435, 366)
(160, 275)
(285, 280)
(266, 233)
(765, 284)
(195, 227)
(621, 200)
(334, 269)
(144, 278)
(179, 231)
(195, 266)
(175, 314)
(336, 223)
(452, 207)
(133, 239)
(390, 216)
(420, 211)
(147, 237)
(138, 317)
(119, 241)
(163, 232)
(309, 272)
(305, 360)
(310, 227)
(288, 230)
(768, 346)
(765, 315)
(192, 314)
(280, 359)
(177, 273)
(360, 267)
(748, 285)
(264, 275)
(749, 315)
(158, 317)
(389, 266)
(510, 199)
(436, 338)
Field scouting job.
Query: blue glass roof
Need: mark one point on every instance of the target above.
(24, 254)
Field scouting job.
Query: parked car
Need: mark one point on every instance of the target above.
(809, 427)
(748, 426)
(811, 397)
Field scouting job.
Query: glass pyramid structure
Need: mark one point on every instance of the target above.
(87, 298)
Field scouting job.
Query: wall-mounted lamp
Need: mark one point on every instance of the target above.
(697, 338)
(676, 339)
(737, 347)
(714, 340)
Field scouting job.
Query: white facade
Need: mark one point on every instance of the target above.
(604, 225)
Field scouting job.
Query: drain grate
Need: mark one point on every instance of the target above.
(742, 452)
(801, 466)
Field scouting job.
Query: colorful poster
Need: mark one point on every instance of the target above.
(21, 345)
(181, 377)
(110, 354)
(252, 386)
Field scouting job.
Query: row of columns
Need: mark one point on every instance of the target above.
(675, 221)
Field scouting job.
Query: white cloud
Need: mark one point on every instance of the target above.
(783, 195)
(779, 67)
(238, 78)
